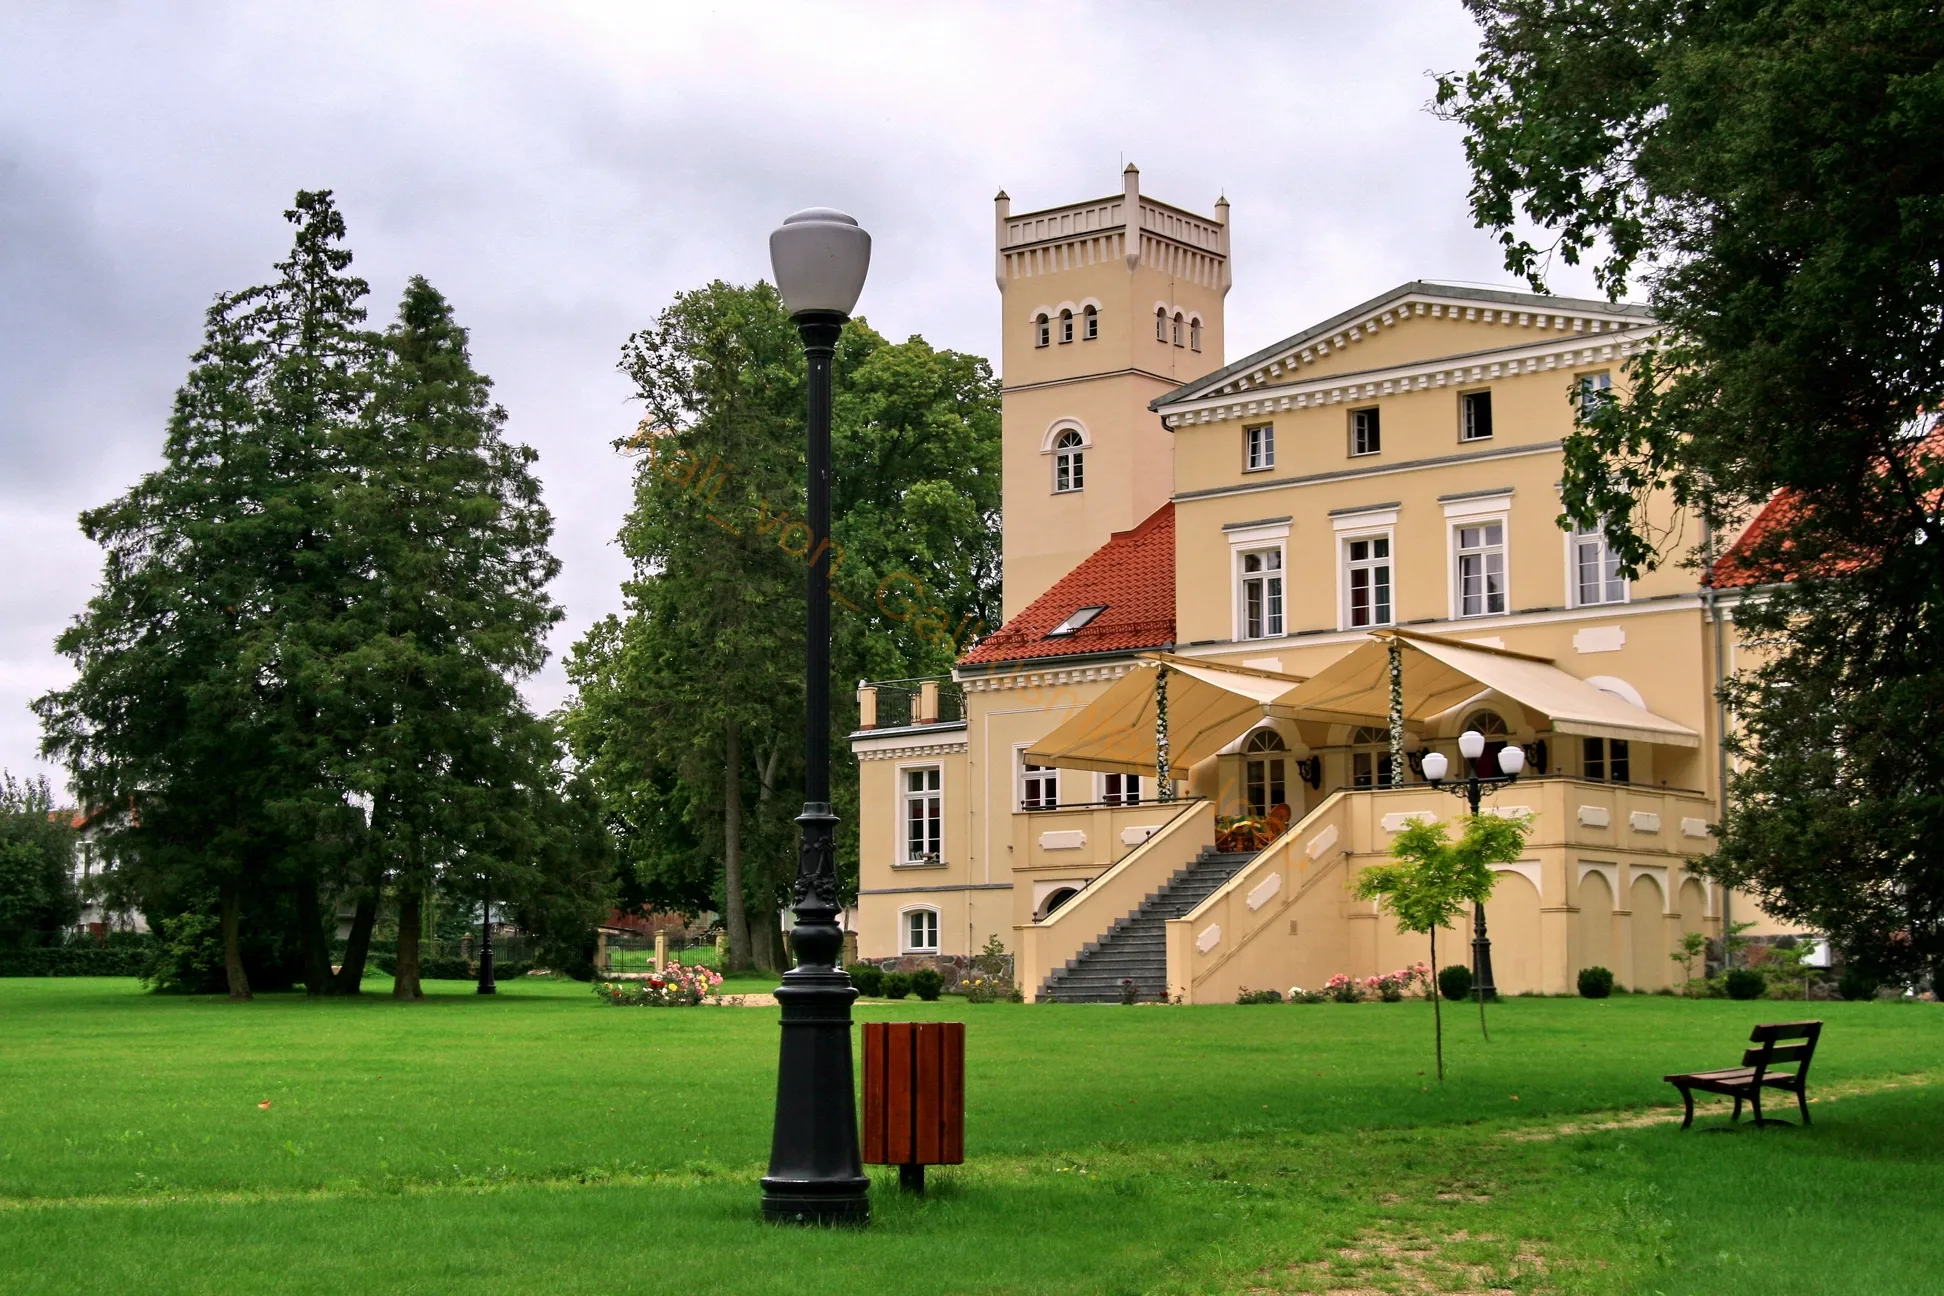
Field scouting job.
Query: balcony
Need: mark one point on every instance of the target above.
(909, 704)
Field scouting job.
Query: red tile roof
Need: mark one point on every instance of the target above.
(1132, 575)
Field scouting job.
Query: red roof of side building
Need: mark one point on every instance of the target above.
(1131, 577)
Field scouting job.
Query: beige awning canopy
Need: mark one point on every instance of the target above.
(1441, 673)
(1208, 708)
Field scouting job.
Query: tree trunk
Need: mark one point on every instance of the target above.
(405, 980)
(358, 945)
(317, 950)
(734, 914)
(767, 949)
(1437, 1005)
(239, 981)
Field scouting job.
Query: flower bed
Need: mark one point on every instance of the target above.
(1390, 987)
(679, 987)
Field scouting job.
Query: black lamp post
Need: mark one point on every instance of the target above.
(1511, 761)
(486, 983)
(816, 1175)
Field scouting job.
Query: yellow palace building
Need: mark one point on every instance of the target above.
(1213, 570)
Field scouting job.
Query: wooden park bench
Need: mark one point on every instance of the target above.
(1754, 1074)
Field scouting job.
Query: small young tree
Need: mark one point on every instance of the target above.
(1434, 879)
(1693, 946)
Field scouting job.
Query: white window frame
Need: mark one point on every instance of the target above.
(1465, 436)
(1161, 324)
(1273, 577)
(1257, 539)
(1066, 327)
(905, 797)
(1259, 447)
(1070, 462)
(1124, 797)
(1347, 567)
(1574, 540)
(1377, 416)
(1090, 329)
(1483, 510)
(1363, 524)
(1180, 329)
(1042, 330)
(905, 916)
(1597, 382)
(1039, 774)
(1194, 333)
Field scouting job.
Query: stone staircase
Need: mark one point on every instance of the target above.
(1136, 946)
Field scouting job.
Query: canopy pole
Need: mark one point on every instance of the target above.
(1163, 785)
(1396, 710)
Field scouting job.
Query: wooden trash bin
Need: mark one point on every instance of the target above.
(914, 1097)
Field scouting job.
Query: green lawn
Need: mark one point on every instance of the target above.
(540, 1142)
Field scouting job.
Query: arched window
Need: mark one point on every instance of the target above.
(1194, 335)
(1042, 331)
(1160, 323)
(1492, 726)
(919, 931)
(1066, 326)
(1264, 772)
(1055, 900)
(1092, 329)
(1180, 329)
(1069, 462)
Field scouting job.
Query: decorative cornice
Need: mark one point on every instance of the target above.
(1024, 675)
(1265, 396)
(868, 750)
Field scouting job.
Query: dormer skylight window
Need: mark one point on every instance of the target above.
(1076, 622)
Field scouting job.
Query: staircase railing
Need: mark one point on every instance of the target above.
(1210, 948)
(1120, 891)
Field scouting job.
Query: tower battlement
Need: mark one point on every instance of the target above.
(1168, 238)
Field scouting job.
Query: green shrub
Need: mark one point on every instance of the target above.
(1249, 996)
(1455, 981)
(896, 985)
(1595, 982)
(80, 959)
(1745, 983)
(927, 984)
(1857, 984)
(867, 977)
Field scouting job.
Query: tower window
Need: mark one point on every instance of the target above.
(1092, 327)
(1366, 432)
(1262, 594)
(1042, 331)
(1066, 326)
(1069, 462)
(1160, 324)
(1180, 329)
(1475, 416)
(1194, 335)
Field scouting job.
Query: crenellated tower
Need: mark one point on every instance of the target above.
(1107, 304)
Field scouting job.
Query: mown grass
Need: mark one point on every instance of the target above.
(539, 1141)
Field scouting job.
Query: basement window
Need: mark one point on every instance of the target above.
(1076, 622)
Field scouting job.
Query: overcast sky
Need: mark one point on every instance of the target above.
(559, 171)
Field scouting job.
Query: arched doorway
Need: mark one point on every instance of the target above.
(1492, 725)
(1265, 772)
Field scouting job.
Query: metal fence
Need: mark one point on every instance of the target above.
(636, 953)
(897, 701)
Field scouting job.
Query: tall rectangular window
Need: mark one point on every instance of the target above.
(1120, 789)
(1481, 569)
(1606, 760)
(1262, 594)
(1366, 432)
(924, 816)
(1595, 390)
(1265, 784)
(1367, 577)
(1596, 570)
(1475, 416)
(1259, 444)
(1039, 787)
